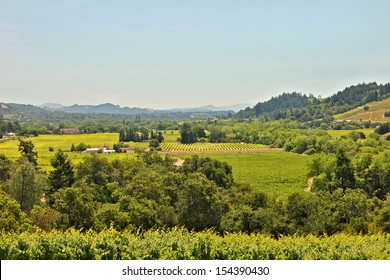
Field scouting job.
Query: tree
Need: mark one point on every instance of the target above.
(26, 185)
(61, 177)
(187, 135)
(11, 218)
(110, 215)
(199, 131)
(219, 172)
(154, 144)
(26, 148)
(198, 205)
(344, 172)
(76, 207)
(44, 217)
(160, 137)
(376, 181)
(145, 133)
(5, 168)
(217, 135)
(81, 147)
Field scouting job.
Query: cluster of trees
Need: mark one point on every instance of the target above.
(150, 192)
(8, 126)
(191, 133)
(383, 128)
(141, 134)
(363, 172)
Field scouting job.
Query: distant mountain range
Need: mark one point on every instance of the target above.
(294, 106)
(109, 108)
(212, 108)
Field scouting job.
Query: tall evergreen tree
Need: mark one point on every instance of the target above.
(61, 177)
(5, 168)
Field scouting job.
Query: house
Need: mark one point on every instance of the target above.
(107, 151)
(91, 150)
(10, 134)
(97, 150)
(69, 130)
(126, 150)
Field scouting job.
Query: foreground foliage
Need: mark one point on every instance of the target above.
(182, 244)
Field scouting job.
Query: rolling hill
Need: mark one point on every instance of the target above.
(303, 108)
(373, 111)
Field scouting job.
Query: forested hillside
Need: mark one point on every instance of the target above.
(303, 108)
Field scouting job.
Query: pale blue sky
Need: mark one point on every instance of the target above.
(164, 54)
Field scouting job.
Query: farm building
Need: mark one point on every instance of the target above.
(126, 150)
(96, 150)
(69, 130)
(107, 151)
(10, 134)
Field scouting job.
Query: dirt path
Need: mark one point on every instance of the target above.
(309, 184)
(179, 162)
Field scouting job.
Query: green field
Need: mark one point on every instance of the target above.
(338, 133)
(275, 173)
(375, 112)
(63, 142)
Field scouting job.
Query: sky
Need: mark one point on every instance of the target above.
(184, 53)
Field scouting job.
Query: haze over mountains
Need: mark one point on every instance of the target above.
(108, 108)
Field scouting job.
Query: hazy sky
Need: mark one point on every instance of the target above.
(164, 54)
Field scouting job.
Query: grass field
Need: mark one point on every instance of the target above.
(375, 113)
(338, 133)
(63, 142)
(275, 173)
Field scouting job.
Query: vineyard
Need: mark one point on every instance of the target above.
(210, 147)
(42, 144)
(277, 174)
(180, 244)
(375, 113)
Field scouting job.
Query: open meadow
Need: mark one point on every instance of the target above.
(42, 144)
